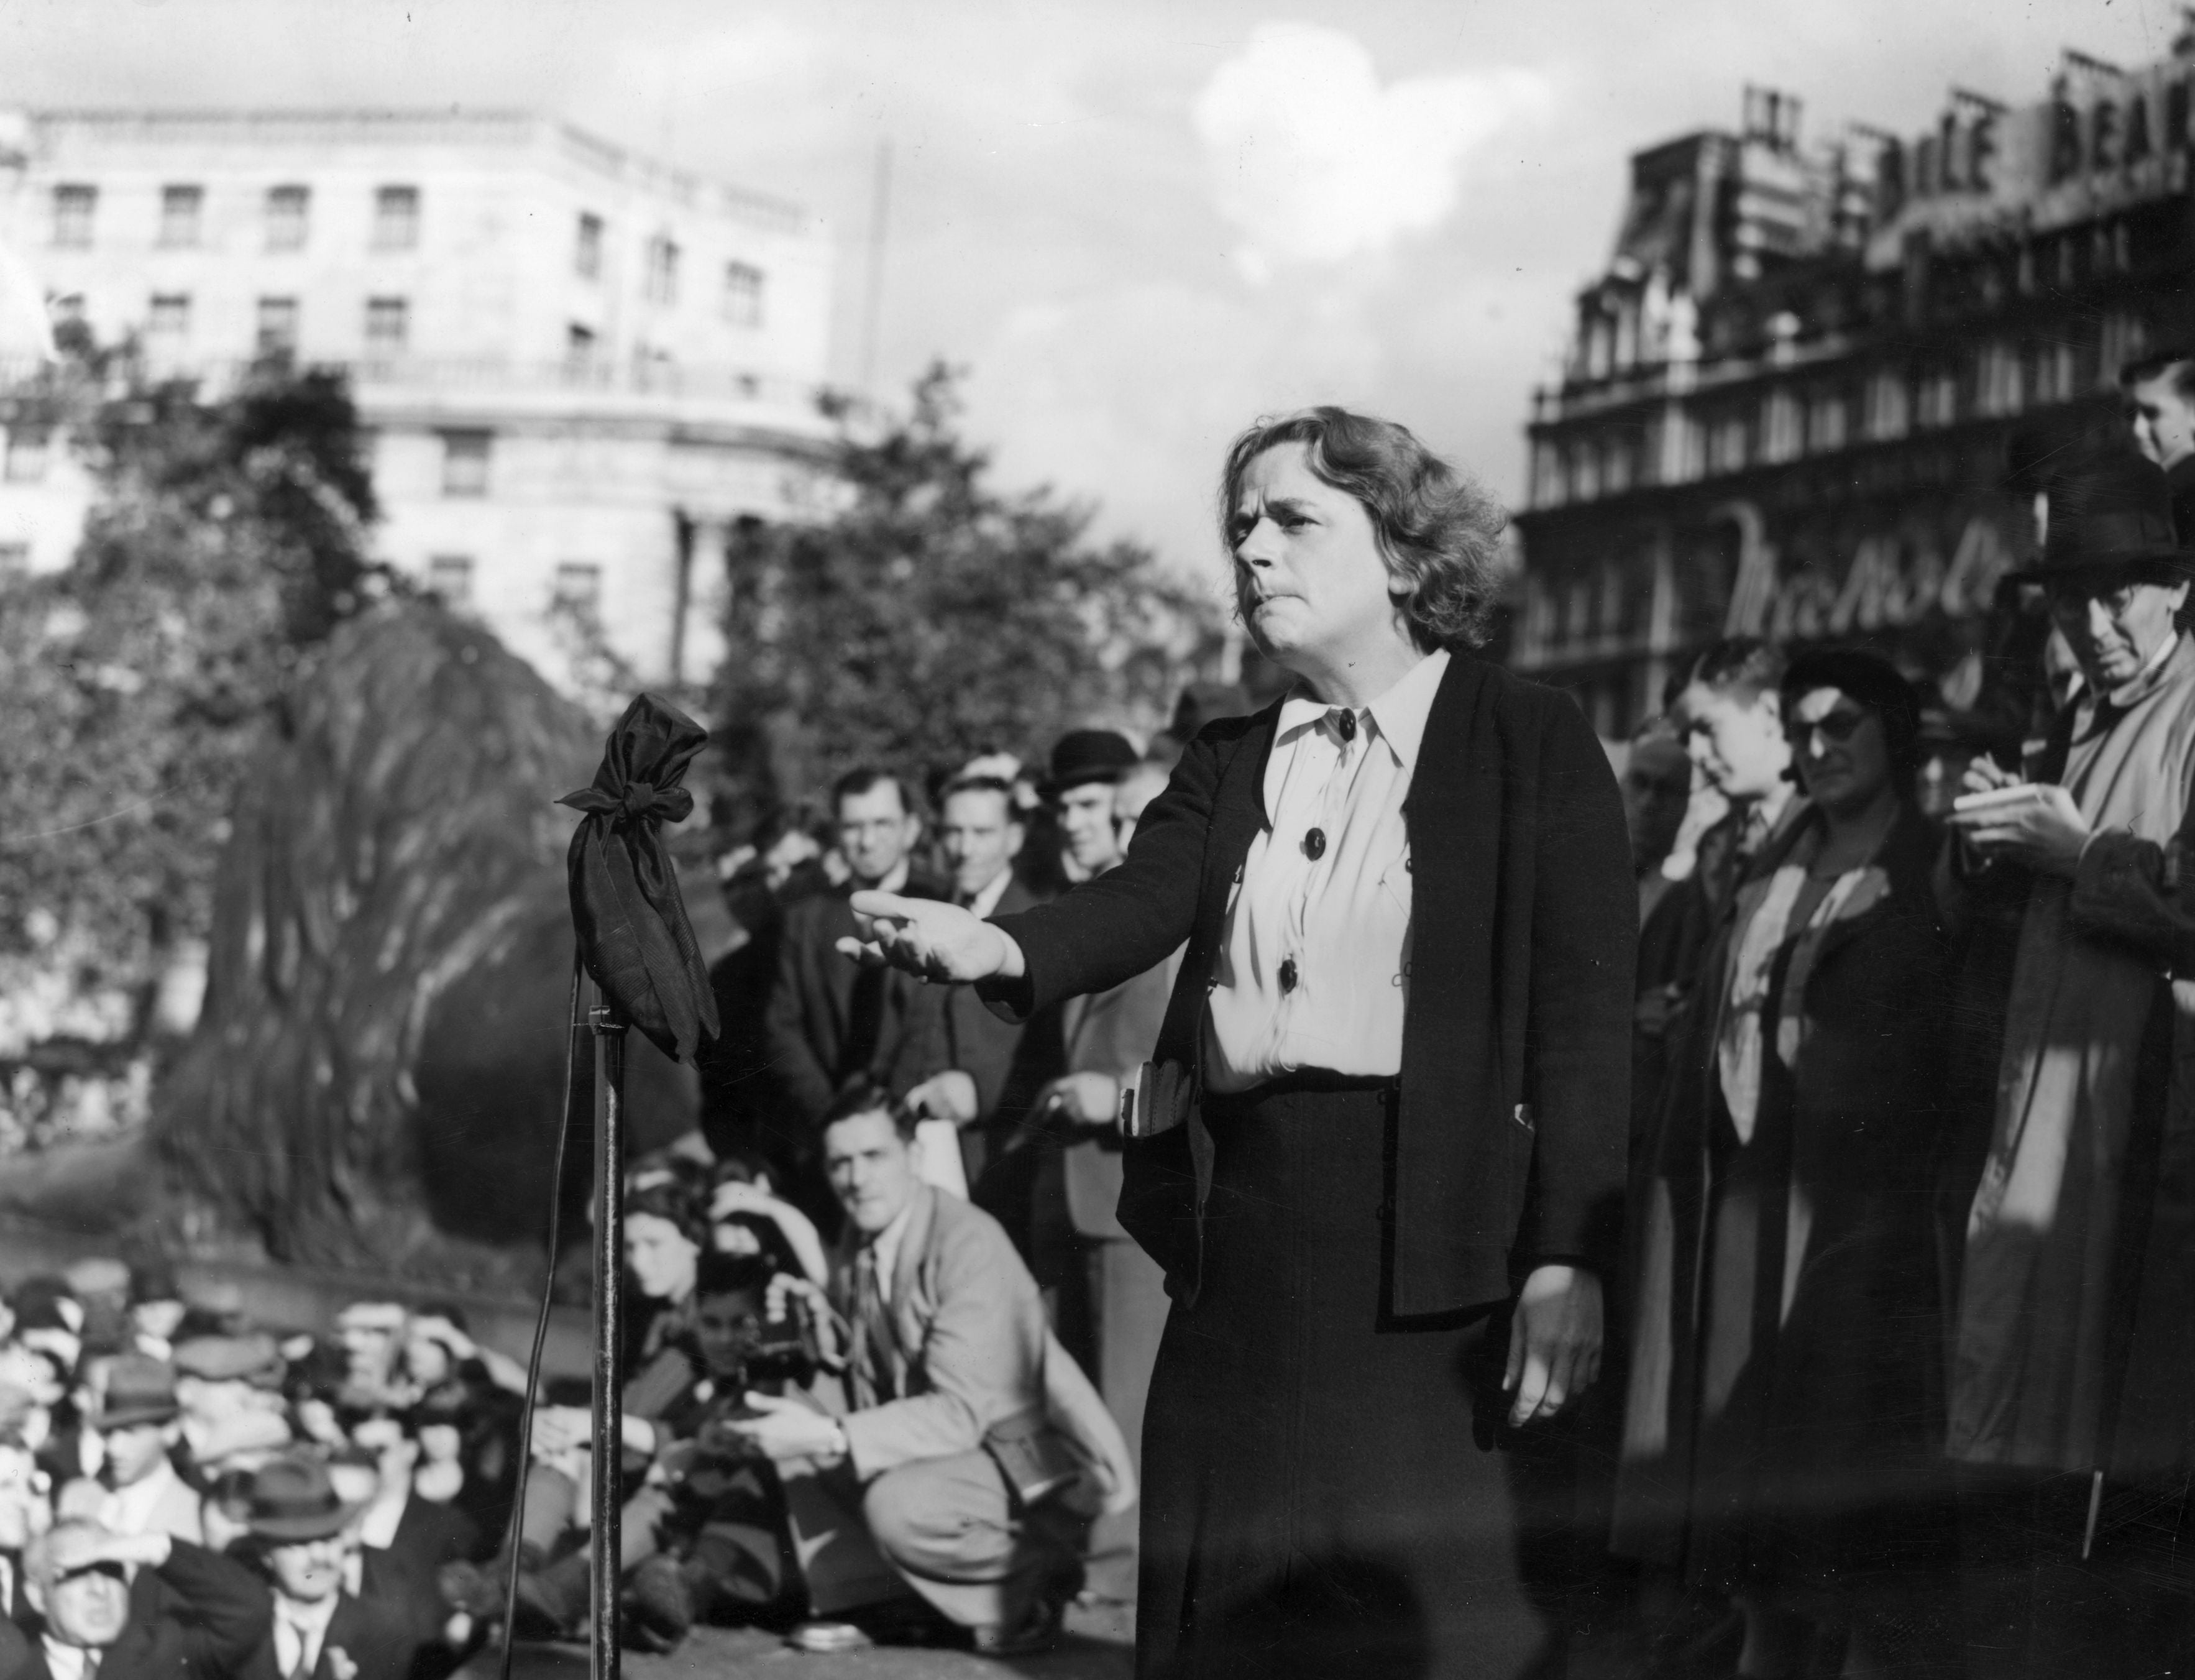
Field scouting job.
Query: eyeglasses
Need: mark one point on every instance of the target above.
(1836, 727)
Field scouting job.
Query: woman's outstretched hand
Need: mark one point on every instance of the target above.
(929, 938)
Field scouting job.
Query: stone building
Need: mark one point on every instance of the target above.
(1814, 393)
(581, 368)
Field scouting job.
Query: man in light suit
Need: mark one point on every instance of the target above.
(946, 1465)
(137, 1419)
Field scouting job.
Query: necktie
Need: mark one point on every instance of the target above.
(90, 1670)
(872, 1335)
(865, 1023)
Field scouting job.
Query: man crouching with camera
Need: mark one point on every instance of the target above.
(947, 1475)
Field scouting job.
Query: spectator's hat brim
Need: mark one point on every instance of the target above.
(295, 1499)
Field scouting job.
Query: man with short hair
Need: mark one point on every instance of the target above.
(947, 1465)
(138, 1422)
(2160, 394)
(828, 1024)
(992, 1069)
(138, 1606)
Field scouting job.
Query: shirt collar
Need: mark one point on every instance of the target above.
(312, 1618)
(1396, 717)
(63, 1662)
(985, 903)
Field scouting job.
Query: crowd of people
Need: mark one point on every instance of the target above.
(1901, 1379)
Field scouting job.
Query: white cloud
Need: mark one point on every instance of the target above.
(1314, 162)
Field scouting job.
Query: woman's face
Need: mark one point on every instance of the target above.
(1840, 751)
(1309, 579)
(661, 1256)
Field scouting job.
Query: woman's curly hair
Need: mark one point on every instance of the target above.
(1438, 529)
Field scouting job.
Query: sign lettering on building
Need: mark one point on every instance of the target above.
(1895, 578)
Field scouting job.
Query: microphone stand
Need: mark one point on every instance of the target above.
(610, 1030)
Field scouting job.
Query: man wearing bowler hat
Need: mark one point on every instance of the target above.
(137, 1420)
(2068, 1412)
(322, 1630)
(137, 1607)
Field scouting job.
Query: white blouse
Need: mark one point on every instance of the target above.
(1314, 964)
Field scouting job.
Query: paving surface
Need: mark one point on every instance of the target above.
(1098, 1646)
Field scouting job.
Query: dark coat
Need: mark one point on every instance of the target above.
(1516, 1045)
(1819, 1395)
(376, 1633)
(199, 1616)
(811, 1006)
(406, 1572)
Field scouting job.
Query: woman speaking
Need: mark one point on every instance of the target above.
(1380, 1149)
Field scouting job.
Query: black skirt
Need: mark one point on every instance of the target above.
(1326, 1491)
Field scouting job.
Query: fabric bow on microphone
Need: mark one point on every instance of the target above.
(634, 940)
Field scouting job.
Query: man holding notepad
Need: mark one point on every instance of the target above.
(2062, 1413)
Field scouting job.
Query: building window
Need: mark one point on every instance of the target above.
(1585, 470)
(287, 208)
(387, 328)
(180, 209)
(395, 218)
(743, 294)
(1783, 436)
(27, 450)
(169, 317)
(74, 209)
(1728, 444)
(661, 285)
(579, 347)
(1548, 483)
(464, 463)
(1889, 405)
(451, 577)
(578, 587)
(1825, 421)
(587, 253)
(1938, 402)
(1999, 386)
(278, 326)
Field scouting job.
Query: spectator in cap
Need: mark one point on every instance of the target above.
(1086, 766)
(372, 1335)
(100, 1285)
(136, 1418)
(187, 1614)
(156, 1307)
(230, 1390)
(47, 1318)
(322, 1630)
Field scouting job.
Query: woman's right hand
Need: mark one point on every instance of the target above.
(929, 938)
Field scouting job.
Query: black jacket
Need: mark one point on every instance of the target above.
(199, 1616)
(1516, 1045)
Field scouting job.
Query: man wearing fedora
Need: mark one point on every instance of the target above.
(2070, 1381)
(322, 1630)
(138, 1421)
(137, 1607)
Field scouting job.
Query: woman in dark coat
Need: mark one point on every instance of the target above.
(1784, 1415)
(1382, 1136)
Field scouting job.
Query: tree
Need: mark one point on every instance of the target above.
(928, 616)
(226, 538)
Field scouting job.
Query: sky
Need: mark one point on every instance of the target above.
(1136, 226)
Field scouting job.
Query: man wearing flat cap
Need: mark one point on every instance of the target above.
(2064, 1406)
(137, 1420)
(322, 1632)
(137, 1607)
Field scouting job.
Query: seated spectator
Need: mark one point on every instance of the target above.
(468, 1400)
(747, 1216)
(189, 1615)
(137, 1425)
(945, 1479)
(372, 1335)
(663, 1238)
(156, 1307)
(100, 1286)
(230, 1389)
(322, 1630)
(404, 1540)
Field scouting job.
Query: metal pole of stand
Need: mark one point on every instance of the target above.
(609, 1319)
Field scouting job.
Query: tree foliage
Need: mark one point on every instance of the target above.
(929, 617)
(226, 540)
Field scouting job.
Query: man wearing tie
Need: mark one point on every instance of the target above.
(946, 1465)
(188, 1614)
(322, 1630)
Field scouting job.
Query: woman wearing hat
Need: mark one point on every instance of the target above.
(1386, 1111)
(2069, 1363)
(1783, 1423)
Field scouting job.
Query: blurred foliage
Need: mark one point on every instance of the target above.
(226, 539)
(927, 617)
